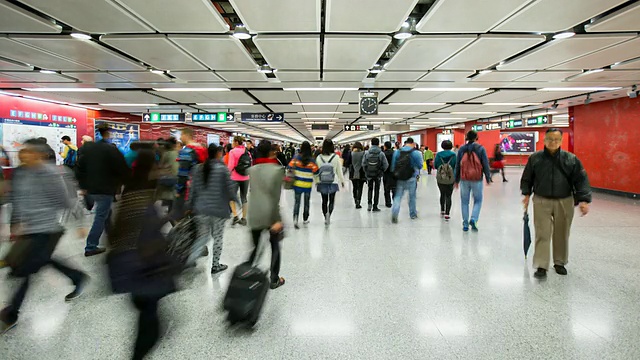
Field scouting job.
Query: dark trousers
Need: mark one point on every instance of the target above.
(445, 197)
(148, 325)
(39, 255)
(389, 188)
(429, 166)
(373, 186)
(296, 206)
(275, 252)
(358, 184)
(328, 201)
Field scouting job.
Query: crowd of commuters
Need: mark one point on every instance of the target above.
(243, 183)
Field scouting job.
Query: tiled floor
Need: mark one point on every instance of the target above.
(367, 289)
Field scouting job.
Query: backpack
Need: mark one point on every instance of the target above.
(470, 166)
(445, 173)
(373, 166)
(244, 163)
(326, 173)
(72, 157)
(404, 168)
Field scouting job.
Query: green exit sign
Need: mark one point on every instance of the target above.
(155, 116)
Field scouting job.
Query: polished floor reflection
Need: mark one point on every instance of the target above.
(367, 289)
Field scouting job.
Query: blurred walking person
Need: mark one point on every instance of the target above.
(356, 173)
(304, 168)
(329, 176)
(374, 164)
(471, 164)
(39, 193)
(388, 178)
(445, 164)
(189, 156)
(498, 161)
(240, 160)
(406, 166)
(428, 159)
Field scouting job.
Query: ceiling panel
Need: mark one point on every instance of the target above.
(292, 52)
(428, 96)
(141, 76)
(447, 76)
(153, 50)
(8, 77)
(102, 97)
(489, 50)
(178, 16)
(242, 75)
(196, 76)
(206, 97)
(399, 76)
(367, 15)
(526, 96)
(426, 52)
(223, 52)
(17, 51)
(93, 77)
(544, 16)
(279, 15)
(608, 75)
(99, 17)
(276, 96)
(463, 16)
(625, 19)
(344, 75)
(548, 76)
(501, 76)
(17, 20)
(85, 52)
(298, 75)
(631, 64)
(8, 65)
(321, 96)
(36, 76)
(354, 96)
(611, 55)
(230, 109)
(559, 51)
(349, 52)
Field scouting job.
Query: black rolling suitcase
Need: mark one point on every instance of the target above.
(246, 294)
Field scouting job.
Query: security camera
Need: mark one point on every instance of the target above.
(633, 93)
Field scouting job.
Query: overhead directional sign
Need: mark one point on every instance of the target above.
(319, 126)
(212, 117)
(513, 124)
(262, 117)
(159, 117)
(358, 127)
(539, 120)
(493, 126)
(477, 128)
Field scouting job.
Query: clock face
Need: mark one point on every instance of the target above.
(368, 106)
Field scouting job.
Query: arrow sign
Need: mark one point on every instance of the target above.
(230, 117)
(145, 117)
(262, 117)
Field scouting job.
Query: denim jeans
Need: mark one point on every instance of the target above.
(466, 188)
(296, 206)
(100, 221)
(402, 186)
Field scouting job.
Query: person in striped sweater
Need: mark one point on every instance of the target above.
(305, 168)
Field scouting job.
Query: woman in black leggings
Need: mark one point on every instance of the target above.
(329, 176)
(445, 164)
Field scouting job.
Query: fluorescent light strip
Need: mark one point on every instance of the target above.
(449, 89)
(451, 118)
(128, 105)
(320, 104)
(319, 112)
(9, 94)
(321, 89)
(511, 104)
(398, 112)
(320, 119)
(224, 104)
(416, 104)
(192, 89)
(473, 112)
(595, 88)
(64, 89)
(380, 118)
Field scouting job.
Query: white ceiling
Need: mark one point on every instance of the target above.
(312, 47)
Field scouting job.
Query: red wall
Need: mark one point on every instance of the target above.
(605, 140)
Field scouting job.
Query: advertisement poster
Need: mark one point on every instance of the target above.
(122, 134)
(441, 138)
(213, 139)
(518, 142)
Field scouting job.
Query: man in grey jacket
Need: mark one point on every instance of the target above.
(374, 164)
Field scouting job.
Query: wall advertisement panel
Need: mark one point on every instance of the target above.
(442, 137)
(122, 134)
(213, 139)
(514, 143)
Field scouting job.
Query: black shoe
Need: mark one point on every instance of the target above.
(219, 268)
(235, 220)
(540, 274)
(7, 321)
(369, 207)
(205, 252)
(388, 206)
(79, 289)
(505, 180)
(394, 220)
(243, 222)
(375, 209)
(6, 326)
(560, 270)
(94, 252)
(358, 206)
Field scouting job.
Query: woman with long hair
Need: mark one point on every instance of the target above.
(346, 158)
(329, 176)
(304, 167)
(210, 194)
(498, 161)
(356, 173)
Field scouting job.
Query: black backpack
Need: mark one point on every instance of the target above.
(374, 166)
(404, 169)
(244, 163)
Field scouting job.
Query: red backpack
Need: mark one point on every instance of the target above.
(470, 166)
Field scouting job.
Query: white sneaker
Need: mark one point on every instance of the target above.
(327, 220)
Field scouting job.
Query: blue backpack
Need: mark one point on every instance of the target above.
(72, 157)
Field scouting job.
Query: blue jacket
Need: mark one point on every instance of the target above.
(416, 159)
(482, 155)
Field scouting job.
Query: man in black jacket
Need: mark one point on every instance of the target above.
(101, 171)
(559, 182)
(388, 178)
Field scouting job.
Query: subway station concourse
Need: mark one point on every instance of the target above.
(294, 71)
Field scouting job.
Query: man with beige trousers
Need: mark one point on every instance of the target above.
(559, 182)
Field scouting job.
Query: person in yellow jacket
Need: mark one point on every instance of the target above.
(428, 158)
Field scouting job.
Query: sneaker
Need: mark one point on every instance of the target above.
(358, 206)
(243, 222)
(369, 207)
(204, 252)
(296, 226)
(505, 180)
(474, 225)
(394, 219)
(388, 206)
(376, 209)
(465, 228)
(219, 268)
(235, 221)
(560, 270)
(94, 252)
(414, 217)
(540, 274)
(5, 324)
(327, 220)
(441, 213)
(447, 217)
(306, 222)
(79, 289)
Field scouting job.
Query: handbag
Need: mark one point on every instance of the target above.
(289, 179)
(18, 252)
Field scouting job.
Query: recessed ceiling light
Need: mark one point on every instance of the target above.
(156, 71)
(564, 35)
(403, 34)
(241, 33)
(319, 112)
(377, 69)
(417, 104)
(265, 69)
(43, 71)
(472, 112)
(64, 89)
(192, 89)
(320, 119)
(486, 71)
(511, 104)
(593, 71)
(447, 118)
(594, 88)
(80, 36)
(449, 89)
(320, 104)
(224, 104)
(381, 118)
(130, 105)
(321, 89)
(398, 112)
